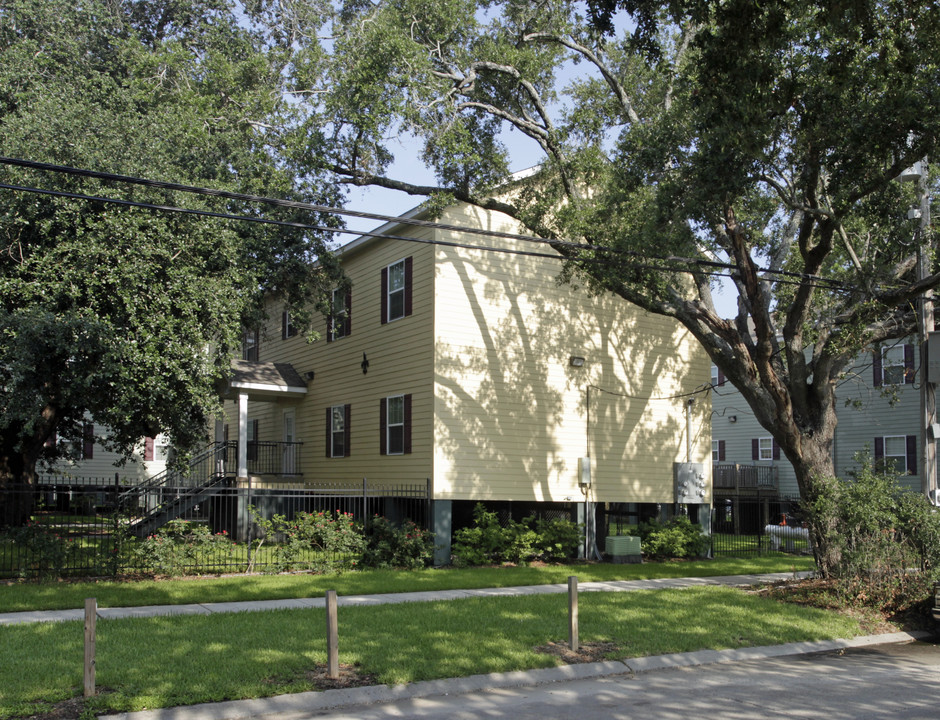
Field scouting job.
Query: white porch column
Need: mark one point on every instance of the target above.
(242, 436)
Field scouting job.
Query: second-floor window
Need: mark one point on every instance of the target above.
(396, 290)
(288, 330)
(894, 365)
(250, 345)
(764, 448)
(339, 322)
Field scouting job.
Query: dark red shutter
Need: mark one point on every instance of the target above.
(879, 448)
(408, 282)
(775, 450)
(347, 412)
(908, 364)
(329, 321)
(329, 432)
(148, 448)
(384, 302)
(755, 449)
(383, 425)
(721, 378)
(88, 442)
(407, 428)
(721, 451)
(877, 376)
(912, 454)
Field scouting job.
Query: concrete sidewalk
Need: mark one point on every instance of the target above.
(106, 613)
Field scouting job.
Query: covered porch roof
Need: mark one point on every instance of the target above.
(264, 381)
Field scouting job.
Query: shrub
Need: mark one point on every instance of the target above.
(677, 538)
(47, 554)
(388, 546)
(884, 540)
(181, 545)
(487, 542)
(321, 541)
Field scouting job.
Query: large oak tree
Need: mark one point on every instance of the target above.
(127, 315)
(765, 135)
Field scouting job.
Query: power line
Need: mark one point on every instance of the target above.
(294, 204)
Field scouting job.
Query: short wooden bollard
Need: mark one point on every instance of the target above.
(91, 616)
(573, 613)
(332, 636)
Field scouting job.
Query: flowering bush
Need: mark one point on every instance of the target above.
(388, 546)
(47, 553)
(321, 541)
(181, 545)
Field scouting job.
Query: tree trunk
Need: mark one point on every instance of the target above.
(815, 472)
(18, 488)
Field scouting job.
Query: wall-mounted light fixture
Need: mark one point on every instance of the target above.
(732, 418)
(309, 375)
(576, 361)
(364, 364)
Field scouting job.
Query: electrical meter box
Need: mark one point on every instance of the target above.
(933, 358)
(690, 484)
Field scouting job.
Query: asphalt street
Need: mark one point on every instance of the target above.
(893, 681)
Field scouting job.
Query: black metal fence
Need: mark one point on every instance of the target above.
(86, 528)
(743, 526)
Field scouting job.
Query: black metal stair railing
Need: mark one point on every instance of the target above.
(170, 494)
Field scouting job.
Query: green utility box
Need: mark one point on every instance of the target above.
(623, 548)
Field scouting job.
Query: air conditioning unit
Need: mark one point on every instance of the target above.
(623, 548)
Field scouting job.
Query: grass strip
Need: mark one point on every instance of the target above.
(21, 596)
(167, 661)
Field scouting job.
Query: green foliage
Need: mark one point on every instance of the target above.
(181, 546)
(676, 538)
(321, 541)
(124, 314)
(407, 547)
(47, 553)
(488, 542)
(885, 539)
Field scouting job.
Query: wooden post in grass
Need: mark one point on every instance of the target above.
(573, 613)
(91, 614)
(332, 636)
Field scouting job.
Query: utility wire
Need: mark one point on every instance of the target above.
(332, 230)
(294, 204)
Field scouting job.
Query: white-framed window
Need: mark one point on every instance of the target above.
(718, 377)
(396, 290)
(338, 431)
(892, 365)
(288, 330)
(897, 452)
(718, 450)
(765, 449)
(339, 320)
(395, 425)
(250, 345)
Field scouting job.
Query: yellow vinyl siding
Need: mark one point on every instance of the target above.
(400, 362)
(512, 414)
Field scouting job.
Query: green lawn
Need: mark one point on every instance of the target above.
(167, 661)
(19, 596)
